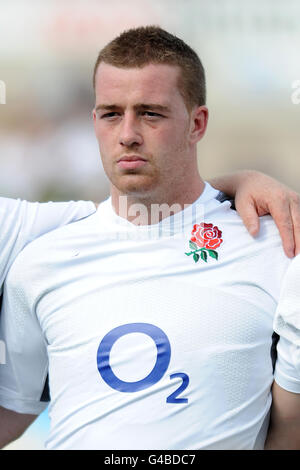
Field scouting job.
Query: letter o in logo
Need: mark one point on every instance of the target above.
(162, 361)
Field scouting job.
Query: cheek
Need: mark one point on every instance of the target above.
(101, 132)
(97, 130)
(175, 141)
(104, 138)
(163, 138)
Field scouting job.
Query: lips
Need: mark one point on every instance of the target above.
(131, 162)
(131, 158)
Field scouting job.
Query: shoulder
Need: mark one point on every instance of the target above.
(13, 210)
(262, 255)
(293, 273)
(40, 257)
(224, 207)
(224, 212)
(33, 219)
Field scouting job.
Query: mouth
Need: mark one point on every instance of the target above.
(131, 162)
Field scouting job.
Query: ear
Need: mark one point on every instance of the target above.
(199, 119)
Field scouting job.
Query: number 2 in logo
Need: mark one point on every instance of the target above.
(161, 365)
(185, 381)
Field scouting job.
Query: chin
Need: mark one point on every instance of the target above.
(135, 185)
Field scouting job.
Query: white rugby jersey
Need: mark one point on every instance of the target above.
(287, 325)
(23, 221)
(155, 337)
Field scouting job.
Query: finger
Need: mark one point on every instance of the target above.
(295, 214)
(283, 219)
(249, 214)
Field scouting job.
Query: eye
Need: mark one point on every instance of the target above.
(151, 115)
(109, 116)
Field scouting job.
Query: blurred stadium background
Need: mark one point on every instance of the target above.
(250, 50)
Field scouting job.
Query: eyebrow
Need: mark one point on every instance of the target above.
(141, 106)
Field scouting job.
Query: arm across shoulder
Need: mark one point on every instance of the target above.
(22, 221)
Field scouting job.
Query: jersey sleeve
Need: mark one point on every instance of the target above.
(23, 373)
(22, 221)
(287, 317)
(287, 326)
(287, 370)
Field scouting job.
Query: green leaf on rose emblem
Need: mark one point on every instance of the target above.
(213, 254)
(193, 245)
(196, 257)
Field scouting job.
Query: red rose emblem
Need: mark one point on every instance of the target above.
(206, 236)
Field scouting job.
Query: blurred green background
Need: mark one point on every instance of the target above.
(250, 50)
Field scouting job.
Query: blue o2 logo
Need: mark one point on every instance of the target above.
(161, 365)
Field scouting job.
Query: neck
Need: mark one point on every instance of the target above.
(148, 209)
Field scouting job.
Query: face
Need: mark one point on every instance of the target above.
(146, 135)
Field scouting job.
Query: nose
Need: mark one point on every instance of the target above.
(130, 133)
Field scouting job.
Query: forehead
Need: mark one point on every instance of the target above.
(151, 83)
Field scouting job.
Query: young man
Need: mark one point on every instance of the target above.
(156, 329)
(21, 222)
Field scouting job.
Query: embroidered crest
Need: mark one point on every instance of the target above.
(204, 241)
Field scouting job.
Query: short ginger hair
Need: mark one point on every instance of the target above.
(145, 45)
